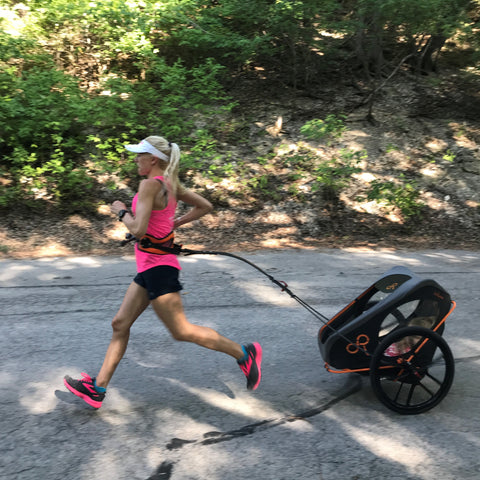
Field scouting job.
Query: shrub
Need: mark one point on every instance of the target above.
(402, 194)
(331, 128)
(42, 112)
(333, 175)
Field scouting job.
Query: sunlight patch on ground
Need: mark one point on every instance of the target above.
(472, 204)
(365, 177)
(83, 261)
(53, 249)
(469, 347)
(275, 218)
(433, 203)
(397, 450)
(461, 135)
(372, 208)
(283, 238)
(79, 221)
(13, 271)
(184, 426)
(154, 456)
(386, 254)
(265, 294)
(103, 461)
(118, 232)
(436, 145)
(41, 398)
(432, 171)
(355, 139)
(373, 248)
(196, 464)
(103, 210)
(406, 450)
(243, 404)
(120, 410)
(35, 246)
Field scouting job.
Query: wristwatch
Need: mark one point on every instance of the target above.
(121, 214)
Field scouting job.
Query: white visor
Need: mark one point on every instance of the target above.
(145, 147)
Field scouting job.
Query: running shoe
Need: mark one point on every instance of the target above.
(85, 389)
(251, 367)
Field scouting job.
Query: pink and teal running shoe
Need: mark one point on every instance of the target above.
(85, 389)
(251, 367)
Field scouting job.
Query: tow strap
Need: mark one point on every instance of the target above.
(166, 245)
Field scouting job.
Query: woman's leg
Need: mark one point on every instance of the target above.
(134, 303)
(169, 309)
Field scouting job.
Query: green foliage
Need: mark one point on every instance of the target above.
(229, 31)
(216, 173)
(391, 148)
(333, 175)
(303, 161)
(80, 79)
(203, 152)
(449, 156)
(51, 127)
(41, 103)
(263, 186)
(403, 195)
(331, 128)
(57, 181)
(41, 115)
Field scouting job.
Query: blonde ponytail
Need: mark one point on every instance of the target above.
(172, 151)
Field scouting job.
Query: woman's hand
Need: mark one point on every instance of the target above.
(116, 206)
(201, 206)
(177, 222)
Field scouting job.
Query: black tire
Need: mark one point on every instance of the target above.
(418, 379)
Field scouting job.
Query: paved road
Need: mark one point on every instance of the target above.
(176, 411)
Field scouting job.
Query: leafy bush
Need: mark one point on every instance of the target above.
(51, 127)
(42, 112)
(334, 175)
(166, 103)
(331, 128)
(403, 195)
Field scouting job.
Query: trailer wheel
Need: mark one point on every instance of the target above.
(412, 370)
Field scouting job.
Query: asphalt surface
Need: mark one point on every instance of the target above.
(177, 411)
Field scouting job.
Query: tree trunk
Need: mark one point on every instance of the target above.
(429, 53)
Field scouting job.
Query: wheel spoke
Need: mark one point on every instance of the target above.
(426, 389)
(400, 387)
(438, 382)
(410, 394)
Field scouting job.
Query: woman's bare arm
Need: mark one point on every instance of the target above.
(138, 224)
(201, 206)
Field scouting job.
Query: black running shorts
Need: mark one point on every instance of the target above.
(159, 281)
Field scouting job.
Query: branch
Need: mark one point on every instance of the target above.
(374, 92)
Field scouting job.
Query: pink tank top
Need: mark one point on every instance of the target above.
(160, 224)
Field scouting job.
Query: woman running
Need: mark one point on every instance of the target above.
(156, 282)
